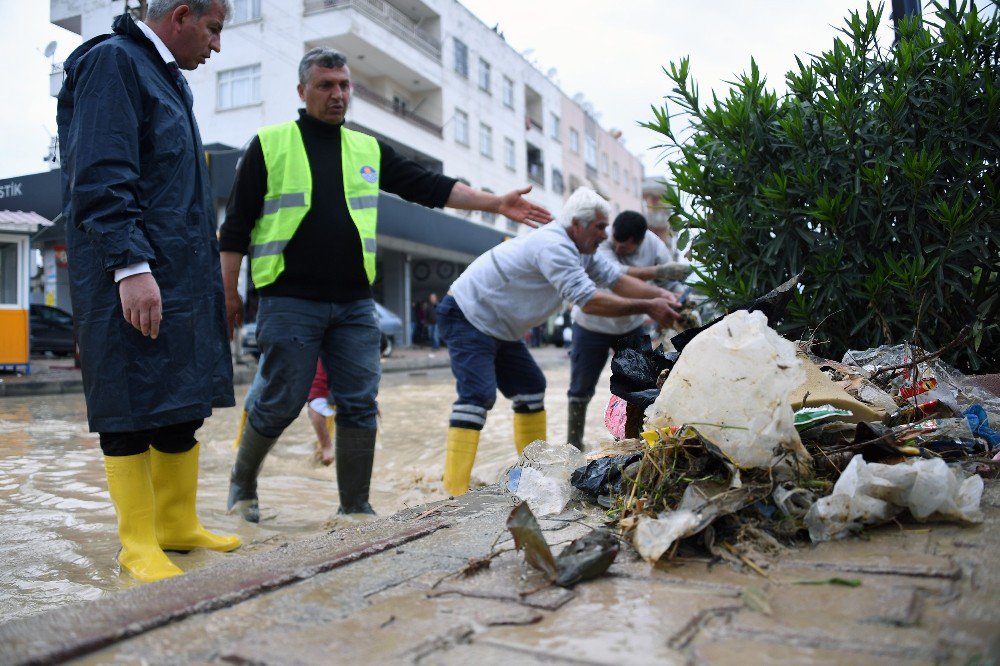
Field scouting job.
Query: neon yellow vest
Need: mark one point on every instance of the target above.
(289, 195)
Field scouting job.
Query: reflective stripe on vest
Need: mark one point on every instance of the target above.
(289, 196)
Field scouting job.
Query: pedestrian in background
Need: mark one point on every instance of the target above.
(431, 319)
(144, 270)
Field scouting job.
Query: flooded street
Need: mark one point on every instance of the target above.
(57, 527)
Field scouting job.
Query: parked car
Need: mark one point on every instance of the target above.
(389, 324)
(50, 330)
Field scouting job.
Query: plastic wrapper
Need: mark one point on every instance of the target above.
(949, 384)
(810, 416)
(603, 476)
(541, 476)
(615, 416)
(870, 494)
(733, 383)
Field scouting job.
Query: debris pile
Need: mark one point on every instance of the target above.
(743, 443)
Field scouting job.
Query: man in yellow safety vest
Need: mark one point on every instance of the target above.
(304, 207)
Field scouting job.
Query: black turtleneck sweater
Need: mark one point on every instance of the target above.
(323, 260)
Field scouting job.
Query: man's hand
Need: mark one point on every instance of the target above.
(673, 270)
(516, 207)
(230, 262)
(234, 311)
(141, 305)
(672, 297)
(661, 311)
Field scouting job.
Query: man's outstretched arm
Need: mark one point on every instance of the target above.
(512, 205)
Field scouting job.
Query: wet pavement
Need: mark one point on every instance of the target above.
(57, 527)
(393, 591)
(309, 588)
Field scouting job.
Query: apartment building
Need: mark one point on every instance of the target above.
(431, 80)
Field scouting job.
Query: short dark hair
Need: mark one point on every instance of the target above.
(321, 56)
(629, 225)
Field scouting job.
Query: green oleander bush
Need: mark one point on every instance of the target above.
(877, 173)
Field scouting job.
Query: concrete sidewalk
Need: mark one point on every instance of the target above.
(52, 376)
(398, 590)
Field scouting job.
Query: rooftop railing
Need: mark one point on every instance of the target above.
(389, 17)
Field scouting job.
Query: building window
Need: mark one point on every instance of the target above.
(461, 127)
(245, 11)
(574, 141)
(604, 163)
(8, 273)
(557, 182)
(590, 152)
(554, 127)
(484, 76)
(461, 59)
(239, 87)
(508, 93)
(616, 174)
(509, 154)
(627, 181)
(485, 140)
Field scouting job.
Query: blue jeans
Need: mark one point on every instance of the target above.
(587, 356)
(432, 334)
(482, 364)
(292, 334)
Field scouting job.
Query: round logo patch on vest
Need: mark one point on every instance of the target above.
(369, 174)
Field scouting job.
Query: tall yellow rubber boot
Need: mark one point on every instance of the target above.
(528, 428)
(461, 454)
(175, 484)
(131, 487)
(239, 431)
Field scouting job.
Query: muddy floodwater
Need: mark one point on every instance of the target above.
(58, 536)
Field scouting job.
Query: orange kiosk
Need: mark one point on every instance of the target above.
(16, 229)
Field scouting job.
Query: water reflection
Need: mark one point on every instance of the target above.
(58, 537)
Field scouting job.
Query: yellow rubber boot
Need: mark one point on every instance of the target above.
(239, 431)
(175, 482)
(462, 445)
(528, 428)
(131, 486)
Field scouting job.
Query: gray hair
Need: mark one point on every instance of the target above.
(583, 206)
(158, 10)
(321, 56)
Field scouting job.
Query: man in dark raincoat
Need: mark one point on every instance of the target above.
(144, 270)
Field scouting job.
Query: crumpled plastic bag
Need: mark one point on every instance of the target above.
(872, 493)
(541, 476)
(615, 416)
(703, 502)
(732, 383)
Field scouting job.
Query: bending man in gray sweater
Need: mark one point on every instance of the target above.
(508, 290)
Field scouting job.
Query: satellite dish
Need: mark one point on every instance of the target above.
(50, 49)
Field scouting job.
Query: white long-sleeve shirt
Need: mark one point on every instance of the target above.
(522, 282)
(651, 251)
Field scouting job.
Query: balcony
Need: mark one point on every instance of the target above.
(387, 105)
(388, 17)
